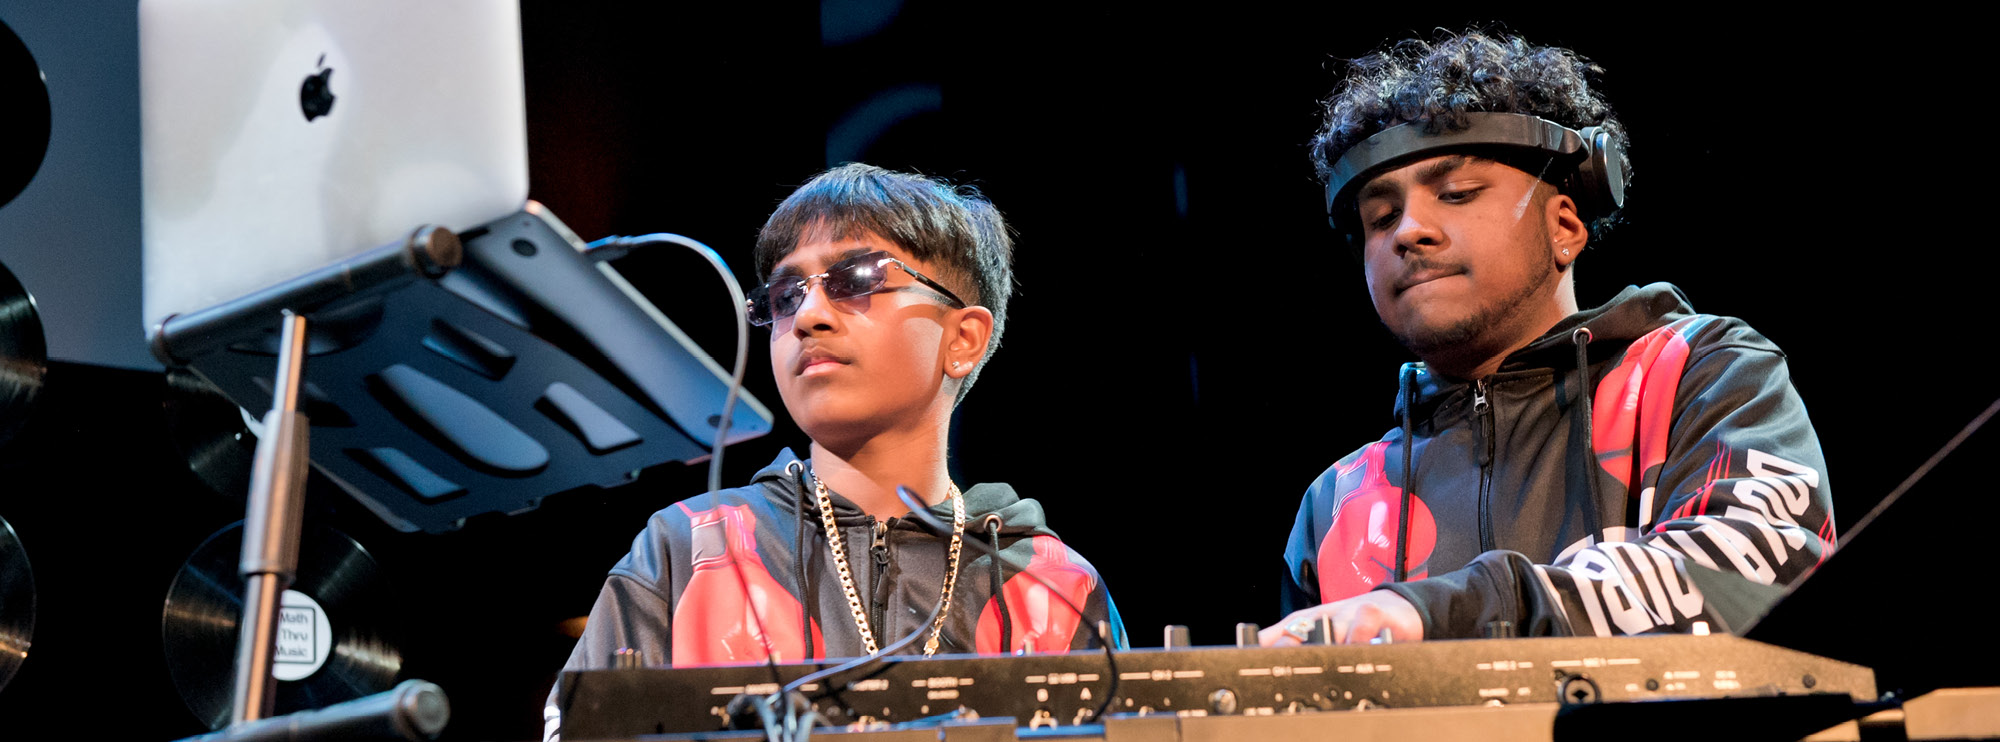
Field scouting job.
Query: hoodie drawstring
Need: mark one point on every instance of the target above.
(995, 580)
(799, 555)
(1405, 390)
(1580, 337)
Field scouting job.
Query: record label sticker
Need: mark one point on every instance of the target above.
(305, 637)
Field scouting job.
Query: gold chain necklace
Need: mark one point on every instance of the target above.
(839, 546)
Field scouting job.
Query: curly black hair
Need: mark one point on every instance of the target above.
(1438, 82)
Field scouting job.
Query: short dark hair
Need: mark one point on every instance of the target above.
(953, 228)
(1437, 83)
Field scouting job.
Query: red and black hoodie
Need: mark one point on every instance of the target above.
(716, 579)
(1638, 468)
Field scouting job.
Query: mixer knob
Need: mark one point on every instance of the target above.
(627, 658)
(1246, 634)
(1222, 701)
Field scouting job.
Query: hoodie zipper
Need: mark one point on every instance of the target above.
(1483, 409)
(879, 602)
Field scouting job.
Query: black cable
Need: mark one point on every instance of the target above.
(995, 581)
(1932, 462)
(1580, 337)
(612, 248)
(878, 657)
(923, 513)
(750, 604)
(1409, 485)
(799, 556)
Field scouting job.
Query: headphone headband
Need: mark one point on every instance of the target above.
(1597, 181)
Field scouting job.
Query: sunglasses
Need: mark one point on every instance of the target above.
(852, 278)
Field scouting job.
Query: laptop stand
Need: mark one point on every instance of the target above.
(451, 376)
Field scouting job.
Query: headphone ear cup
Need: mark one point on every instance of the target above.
(1601, 176)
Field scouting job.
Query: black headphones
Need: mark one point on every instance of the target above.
(1595, 161)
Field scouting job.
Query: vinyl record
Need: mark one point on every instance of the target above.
(330, 646)
(17, 603)
(209, 432)
(24, 354)
(25, 97)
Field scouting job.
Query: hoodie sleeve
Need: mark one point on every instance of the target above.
(1731, 502)
(632, 610)
(1100, 608)
(1354, 505)
(1300, 587)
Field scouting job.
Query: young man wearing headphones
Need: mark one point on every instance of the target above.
(1630, 468)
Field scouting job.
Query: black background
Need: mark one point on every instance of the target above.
(1188, 346)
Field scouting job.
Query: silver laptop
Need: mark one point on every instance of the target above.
(282, 135)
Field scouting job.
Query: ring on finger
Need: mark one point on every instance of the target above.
(1300, 629)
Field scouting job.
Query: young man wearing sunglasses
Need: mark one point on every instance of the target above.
(887, 296)
(1631, 468)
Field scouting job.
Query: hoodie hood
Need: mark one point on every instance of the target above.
(1628, 316)
(1631, 314)
(786, 482)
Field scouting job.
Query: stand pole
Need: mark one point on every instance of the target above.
(271, 527)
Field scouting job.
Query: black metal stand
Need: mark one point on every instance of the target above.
(450, 380)
(457, 379)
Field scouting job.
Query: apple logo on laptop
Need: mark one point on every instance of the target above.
(315, 97)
